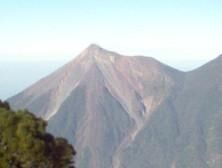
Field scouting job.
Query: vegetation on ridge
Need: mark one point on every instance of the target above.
(24, 142)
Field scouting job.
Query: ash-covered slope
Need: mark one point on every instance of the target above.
(185, 129)
(199, 108)
(130, 112)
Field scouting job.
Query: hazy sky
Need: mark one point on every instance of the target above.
(181, 33)
(165, 29)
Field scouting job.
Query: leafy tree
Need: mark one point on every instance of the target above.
(24, 142)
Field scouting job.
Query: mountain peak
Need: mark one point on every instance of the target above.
(93, 46)
(92, 50)
(97, 54)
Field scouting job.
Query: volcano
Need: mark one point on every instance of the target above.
(132, 111)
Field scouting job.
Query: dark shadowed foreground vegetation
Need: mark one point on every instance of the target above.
(24, 142)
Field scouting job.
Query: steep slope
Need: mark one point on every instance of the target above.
(185, 130)
(200, 115)
(132, 112)
(100, 101)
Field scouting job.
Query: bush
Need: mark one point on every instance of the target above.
(24, 142)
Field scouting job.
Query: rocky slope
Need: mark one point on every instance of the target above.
(129, 112)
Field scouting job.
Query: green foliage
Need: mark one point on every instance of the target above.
(4, 105)
(24, 142)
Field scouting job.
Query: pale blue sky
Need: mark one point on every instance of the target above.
(181, 33)
(166, 29)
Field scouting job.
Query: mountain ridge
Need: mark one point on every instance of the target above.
(130, 112)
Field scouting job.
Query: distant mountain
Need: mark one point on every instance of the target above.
(132, 112)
